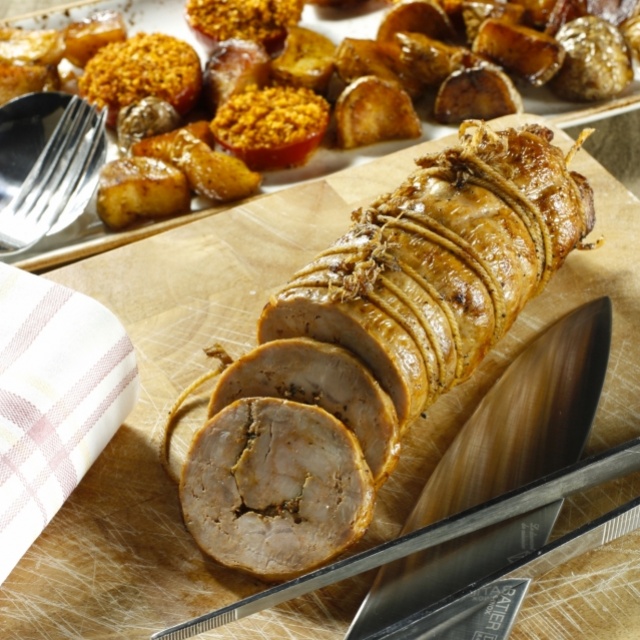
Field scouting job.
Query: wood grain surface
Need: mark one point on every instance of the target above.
(117, 562)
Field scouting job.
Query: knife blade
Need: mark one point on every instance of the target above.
(609, 465)
(534, 420)
(446, 620)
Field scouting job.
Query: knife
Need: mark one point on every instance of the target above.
(534, 420)
(609, 465)
(536, 495)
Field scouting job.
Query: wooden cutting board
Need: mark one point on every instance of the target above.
(117, 562)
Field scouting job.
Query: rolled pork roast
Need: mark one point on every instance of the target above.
(304, 429)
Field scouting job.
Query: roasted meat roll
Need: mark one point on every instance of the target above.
(397, 311)
(430, 276)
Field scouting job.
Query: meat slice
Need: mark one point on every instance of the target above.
(312, 372)
(275, 487)
(360, 326)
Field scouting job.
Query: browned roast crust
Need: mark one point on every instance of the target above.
(275, 487)
(483, 225)
(323, 374)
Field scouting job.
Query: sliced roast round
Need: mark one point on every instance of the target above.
(275, 487)
(319, 373)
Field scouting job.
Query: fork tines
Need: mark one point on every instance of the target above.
(54, 178)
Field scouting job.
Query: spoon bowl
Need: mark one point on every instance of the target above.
(26, 123)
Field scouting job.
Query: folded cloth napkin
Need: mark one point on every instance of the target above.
(68, 379)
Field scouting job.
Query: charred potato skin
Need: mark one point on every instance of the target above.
(597, 64)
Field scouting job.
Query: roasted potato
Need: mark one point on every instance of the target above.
(597, 64)
(336, 4)
(630, 30)
(19, 79)
(82, 39)
(143, 119)
(358, 57)
(524, 52)
(31, 46)
(481, 93)
(372, 110)
(429, 61)
(475, 12)
(131, 189)
(538, 13)
(162, 145)
(212, 174)
(416, 16)
(233, 66)
(307, 60)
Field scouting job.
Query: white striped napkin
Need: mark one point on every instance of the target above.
(68, 379)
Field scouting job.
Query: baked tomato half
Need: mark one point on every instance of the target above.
(262, 21)
(156, 64)
(272, 128)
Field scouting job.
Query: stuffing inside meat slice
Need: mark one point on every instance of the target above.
(275, 487)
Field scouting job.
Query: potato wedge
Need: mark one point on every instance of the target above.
(307, 60)
(214, 174)
(528, 54)
(482, 93)
(163, 145)
(31, 46)
(19, 79)
(131, 189)
(82, 39)
(537, 13)
(372, 110)
(210, 173)
(416, 16)
(336, 4)
(233, 66)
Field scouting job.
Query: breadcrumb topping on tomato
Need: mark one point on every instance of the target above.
(257, 20)
(155, 64)
(270, 117)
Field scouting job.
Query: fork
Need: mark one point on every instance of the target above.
(56, 179)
